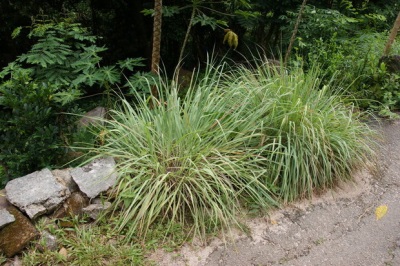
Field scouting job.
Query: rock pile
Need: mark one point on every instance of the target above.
(58, 194)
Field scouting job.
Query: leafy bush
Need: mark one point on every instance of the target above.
(28, 132)
(348, 46)
(44, 84)
(238, 138)
(67, 56)
(355, 62)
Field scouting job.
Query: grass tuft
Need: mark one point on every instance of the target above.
(314, 138)
(239, 137)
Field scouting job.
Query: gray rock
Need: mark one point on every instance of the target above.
(36, 193)
(5, 218)
(64, 177)
(13, 262)
(49, 241)
(96, 177)
(93, 117)
(94, 210)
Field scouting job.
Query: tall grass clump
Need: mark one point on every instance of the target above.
(240, 137)
(313, 138)
(190, 161)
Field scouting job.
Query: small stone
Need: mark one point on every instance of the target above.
(49, 241)
(96, 177)
(17, 261)
(65, 224)
(72, 206)
(64, 177)
(5, 218)
(94, 210)
(63, 252)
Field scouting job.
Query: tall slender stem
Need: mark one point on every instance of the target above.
(186, 37)
(296, 27)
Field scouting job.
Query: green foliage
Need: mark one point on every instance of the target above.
(355, 62)
(85, 244)
(238, 138)
(28, 132)
(167, 11)
(66, 55)
(311, 137)
(321, 24)
(185, 160)
(344, 41)
(44, 83)
(205, 20)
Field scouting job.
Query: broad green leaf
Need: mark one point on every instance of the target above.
(130, 63)
(65, 97)
(110, 74)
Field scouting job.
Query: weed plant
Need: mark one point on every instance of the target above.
(85, 244)
(238, 138)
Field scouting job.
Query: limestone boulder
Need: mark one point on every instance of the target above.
(64, 177)
(37, 193)
(5, 218)
(96, 208)
(15, 236)
(48, 242)
(96, 177)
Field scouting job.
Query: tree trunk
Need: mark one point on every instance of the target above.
(155, 56)
(392, 36)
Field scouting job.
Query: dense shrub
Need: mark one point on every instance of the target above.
(347, 44)
(40, 86)
(356, 63)
(28, 135)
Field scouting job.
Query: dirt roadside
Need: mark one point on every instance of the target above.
(337, 228)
